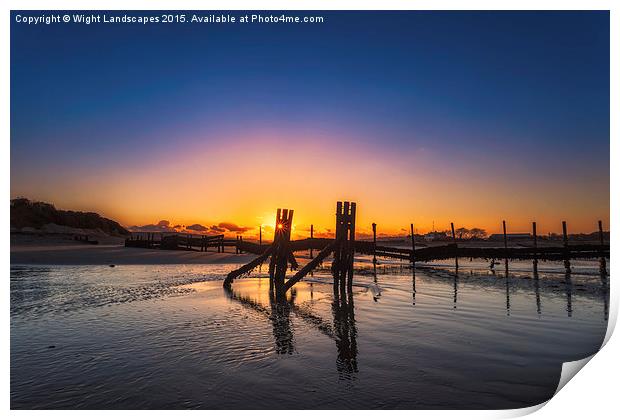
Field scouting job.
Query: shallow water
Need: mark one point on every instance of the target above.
(172, 337)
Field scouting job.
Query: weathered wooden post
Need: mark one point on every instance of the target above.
(412, 246)
(260, 235)
(535, 237)
(505, 248)
(456, 254)
(602, 262)
(311, 239)
(281, 251)
(374, 243)
(566, 250)
(342, 267)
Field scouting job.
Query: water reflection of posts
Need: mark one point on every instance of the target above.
(281, 322)
(413, 281)
(456, 291)
(569, 294)
(279, 316)
(537, 286)
(507, 297)
(345, 332)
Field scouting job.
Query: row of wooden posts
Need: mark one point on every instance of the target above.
(343, 247)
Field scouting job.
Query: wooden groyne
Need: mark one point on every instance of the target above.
(179, 241)
(443, 252)
(281, 251)
(344, 246)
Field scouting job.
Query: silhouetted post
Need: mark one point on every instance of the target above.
(311, 238)
(566, 251)
(535, 246)
(351, 250)
(603, 263)
(456, 257)
(564, 234)
(260, 235)
(374, 243)
(505, 248)
(412, 246)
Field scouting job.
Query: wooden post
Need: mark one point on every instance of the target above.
(260, 235)
(412, 245)
(566, 251)
(505, 250)
(374, 243)
(564, 233)
(311, 238)
(535, 236)
(351, 249)
(456, 257)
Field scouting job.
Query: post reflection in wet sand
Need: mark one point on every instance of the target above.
(537, 287)
(513, 281)
(342, 329)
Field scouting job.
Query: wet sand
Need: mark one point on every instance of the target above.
(83, 254)
(170, 337)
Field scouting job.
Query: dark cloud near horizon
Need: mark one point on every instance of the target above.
(197, 227)
(164, 226)
(233, 227)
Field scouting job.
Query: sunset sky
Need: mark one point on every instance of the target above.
(418, 117)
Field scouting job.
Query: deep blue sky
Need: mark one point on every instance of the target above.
(527, 89)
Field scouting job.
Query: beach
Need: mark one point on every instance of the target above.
(62, 251)
(169, 336)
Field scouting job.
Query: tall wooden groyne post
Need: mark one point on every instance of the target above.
(281, 253)
(342, 266)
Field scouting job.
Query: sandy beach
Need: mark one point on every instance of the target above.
(48, 252)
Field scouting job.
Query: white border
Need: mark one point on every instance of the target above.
(592, 394)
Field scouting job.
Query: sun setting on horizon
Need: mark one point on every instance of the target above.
(251, 210)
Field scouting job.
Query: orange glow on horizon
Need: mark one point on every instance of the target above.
(244, 180)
